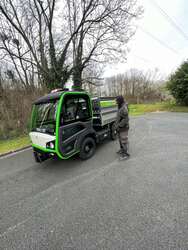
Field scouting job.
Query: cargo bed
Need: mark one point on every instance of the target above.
(104, 112)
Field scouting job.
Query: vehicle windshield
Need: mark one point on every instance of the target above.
(44, 117)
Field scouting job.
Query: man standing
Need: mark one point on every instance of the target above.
(122, 127)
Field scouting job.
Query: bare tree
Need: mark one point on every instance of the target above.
(49, 41)
(136, 85)
(105, 31)
(29, 40)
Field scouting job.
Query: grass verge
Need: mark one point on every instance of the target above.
(140, 109)
(14, 144)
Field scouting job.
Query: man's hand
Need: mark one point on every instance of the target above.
(117, 128)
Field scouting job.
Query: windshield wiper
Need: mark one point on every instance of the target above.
(45, 115)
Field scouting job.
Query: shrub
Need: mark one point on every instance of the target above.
(15, 110)
(178, 84)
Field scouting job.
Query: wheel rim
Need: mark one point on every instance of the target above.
(88, 148)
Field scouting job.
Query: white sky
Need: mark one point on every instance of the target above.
(146, 53)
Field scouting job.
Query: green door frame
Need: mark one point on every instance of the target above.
(58, 121)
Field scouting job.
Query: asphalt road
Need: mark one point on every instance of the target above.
(141, 203)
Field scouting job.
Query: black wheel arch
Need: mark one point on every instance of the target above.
(89, 133)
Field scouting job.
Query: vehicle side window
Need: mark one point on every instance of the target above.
(75, 108)
(82, 109)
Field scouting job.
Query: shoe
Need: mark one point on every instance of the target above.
(123, 157)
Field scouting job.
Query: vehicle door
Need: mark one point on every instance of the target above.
(75, 122)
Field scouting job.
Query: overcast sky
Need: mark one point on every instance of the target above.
(147, 53)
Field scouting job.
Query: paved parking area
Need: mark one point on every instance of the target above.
(141, 203)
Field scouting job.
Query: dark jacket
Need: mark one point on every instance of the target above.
(122, 121)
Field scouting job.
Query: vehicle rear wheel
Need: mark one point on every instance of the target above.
(88, 148)
(113, 132)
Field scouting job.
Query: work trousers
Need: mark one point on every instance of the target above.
(123, 140)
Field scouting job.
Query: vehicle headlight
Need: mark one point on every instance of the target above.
(51, 145)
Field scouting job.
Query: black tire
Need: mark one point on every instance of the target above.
(113, 132)
(37, 158)
(88, 148)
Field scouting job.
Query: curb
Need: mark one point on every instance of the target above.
(15, 151)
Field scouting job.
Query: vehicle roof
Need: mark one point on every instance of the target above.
(54, 96)
(47, 98)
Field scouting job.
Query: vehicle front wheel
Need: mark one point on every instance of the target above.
(88, 148)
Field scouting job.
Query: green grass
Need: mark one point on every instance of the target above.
(140, 109)
(14, 144)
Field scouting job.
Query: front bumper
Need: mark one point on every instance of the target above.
(41, 156)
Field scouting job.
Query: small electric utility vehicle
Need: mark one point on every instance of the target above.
(65, 123)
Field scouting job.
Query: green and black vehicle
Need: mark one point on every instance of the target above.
(65, 123)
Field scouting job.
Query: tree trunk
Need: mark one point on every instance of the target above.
(77, 78)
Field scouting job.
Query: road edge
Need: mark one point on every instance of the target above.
(14, 152)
